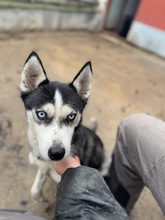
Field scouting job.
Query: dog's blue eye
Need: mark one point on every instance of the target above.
(71, 117)
(41, 115)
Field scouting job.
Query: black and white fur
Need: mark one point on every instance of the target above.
(54, 114)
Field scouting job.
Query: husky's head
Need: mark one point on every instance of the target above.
(53, 109)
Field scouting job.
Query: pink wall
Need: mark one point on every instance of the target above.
(152, 12)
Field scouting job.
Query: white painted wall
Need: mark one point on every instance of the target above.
(147, 37)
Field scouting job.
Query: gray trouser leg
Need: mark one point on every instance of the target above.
(139, 157)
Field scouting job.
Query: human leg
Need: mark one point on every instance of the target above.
(138, 160)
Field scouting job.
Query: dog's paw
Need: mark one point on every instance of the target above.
(44, 203)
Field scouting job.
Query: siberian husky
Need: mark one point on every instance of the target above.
(54, 114)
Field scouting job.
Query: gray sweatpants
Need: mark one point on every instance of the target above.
(139, 157)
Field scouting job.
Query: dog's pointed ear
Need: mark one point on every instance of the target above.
(83, 81)
(33, 73)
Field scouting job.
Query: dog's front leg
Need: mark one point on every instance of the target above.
(43, 168)
(36, 189)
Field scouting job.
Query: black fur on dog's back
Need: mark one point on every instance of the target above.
(88, 147)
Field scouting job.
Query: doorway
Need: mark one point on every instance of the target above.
(120, 14)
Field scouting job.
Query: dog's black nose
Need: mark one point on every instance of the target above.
(56, 153)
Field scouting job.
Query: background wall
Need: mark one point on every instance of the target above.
(152, 13)
(148, 29)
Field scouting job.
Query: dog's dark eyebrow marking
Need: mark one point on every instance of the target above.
(70, 97)
(39, 97)
(45, 94)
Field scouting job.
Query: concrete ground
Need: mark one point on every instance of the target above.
(126, 80)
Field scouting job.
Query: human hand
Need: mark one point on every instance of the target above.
(69, 162)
